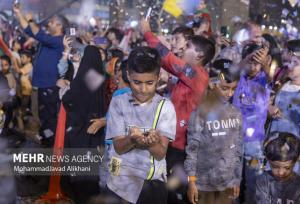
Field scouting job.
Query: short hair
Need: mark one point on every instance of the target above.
(206, 46)
(118, 33)
(249, 49)
(185, 31)
(282, 146)
(293, 45)
(222, 67)
(6, 58)
(63, 21)
(116, 53)
(26, 53)
(144, 60)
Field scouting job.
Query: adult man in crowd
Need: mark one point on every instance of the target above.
(45, 71)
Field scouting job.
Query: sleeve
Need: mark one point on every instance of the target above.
(62, 67)
(28, 31)
(194, 132)
(115, 120)
(192, 76)
(262, 191)
(167, 121)
(45, 39)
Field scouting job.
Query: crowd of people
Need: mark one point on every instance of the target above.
(190, 117)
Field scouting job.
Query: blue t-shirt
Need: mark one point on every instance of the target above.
(45, 70)
(121, 91)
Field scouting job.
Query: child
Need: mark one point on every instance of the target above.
(215, 144)
(25, 78)
(281, 184)
(285, 111)
(25, 73)
(251, 98)
(138, 166)
(190, 89)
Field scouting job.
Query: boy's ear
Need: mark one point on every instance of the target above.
(211, 85)
(200, 55)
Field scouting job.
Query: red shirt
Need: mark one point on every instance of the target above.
(189, 90)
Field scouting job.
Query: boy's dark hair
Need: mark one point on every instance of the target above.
(293, 45)
(116, 53)
(206, 46)
(185, 31)
(123, 69)
(144, 60)
(250, 48)
(26, 53)
(6, 58)
(118, 33)
(282, 146)
(222, 67)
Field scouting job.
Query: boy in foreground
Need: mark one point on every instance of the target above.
(141, 124)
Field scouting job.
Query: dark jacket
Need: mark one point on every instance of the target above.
(83, 103)
(271, 191)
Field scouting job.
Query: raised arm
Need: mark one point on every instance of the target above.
(25, 22)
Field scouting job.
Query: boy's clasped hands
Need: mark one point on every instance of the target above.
(144, 140)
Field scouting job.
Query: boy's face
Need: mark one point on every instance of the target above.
(178, 44)
(4, 66)
(254, 68)
(24, 59)
(226, 90)
(143, 85)
(282, 170)
(16, 46)
(112, 37)
(294, 68)
(191, 55)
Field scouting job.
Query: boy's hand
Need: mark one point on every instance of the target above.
(152, 138)
(144, 26)
(235, 192)
(261, 56)
(137, 137)
(192, 192)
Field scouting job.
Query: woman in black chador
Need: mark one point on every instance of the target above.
(85, 102)
(86, 108)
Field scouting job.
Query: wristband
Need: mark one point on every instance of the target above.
(192, 178)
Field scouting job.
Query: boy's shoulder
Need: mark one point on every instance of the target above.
(127, 98)
(267, 175)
